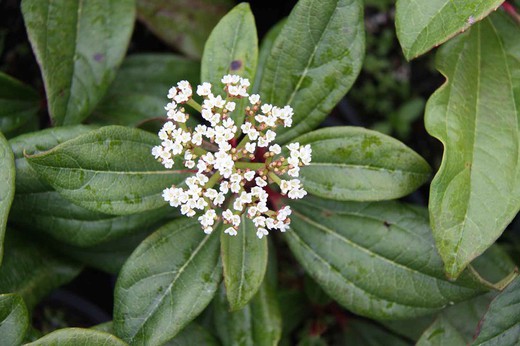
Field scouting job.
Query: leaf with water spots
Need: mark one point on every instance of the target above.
(167, 281)
(376, 259)
(110, 170)
(356, 164)
(475, 114)
(78, 45)
(314, 61)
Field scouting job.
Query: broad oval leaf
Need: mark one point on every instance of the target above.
(265, 51)
(27, 180)
(14, 319)
(32, 270)
(476, 191)
(501, 323)
(244, 259)
(139, 91)
(50, 213)
(314, 61)
(183, 24)
(364, 333)
(441, 332)
(110, 170)
(424, 24)
(78, 45)
(78, 337)
(18, 104)
(356, 164)
(7, 186)
(168, 280)
(232, 48)
(376, 259)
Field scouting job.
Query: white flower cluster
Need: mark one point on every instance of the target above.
(229, 176)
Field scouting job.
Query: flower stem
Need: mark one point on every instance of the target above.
(275, 178)
(250, 165)
(194, 104)
(213, 180)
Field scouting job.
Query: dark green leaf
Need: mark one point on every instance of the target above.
(244, 259)
(166, 283)
(424, 24)
(14, 319)
(18, 104)
(233, 328)
(110, 170)
(356, 164)
(232, 48)
(31, 143)
(139, 90)
(31, 270)
(183, 24)
(193, 334)
(501, 323)
(376, 259)
(440, 333)
(267, 318)
(314, 61)
(77, 337)
(476, 192)
(361, 333)
(50, 213)
(78, 45)
(7, 186)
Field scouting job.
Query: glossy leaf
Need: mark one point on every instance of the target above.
(139, 91)
(7, 178)
(78, 45)
(314, 61)
(476, 193)
(501, 323)
(14, 319)
(244, 260)
(183, 24)
(18, 104)
(361, 333)
(168, 280)
(232, 48)
(356, 164)
(424, 24)
(50, 213)
(27, 180)
(375, 259)
(78, 337)
(265, 51)
(31, 270)
(441, 332)
(110, 170)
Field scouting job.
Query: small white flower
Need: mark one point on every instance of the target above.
(254, 99)
(204, 89)
(231, 231)
(250, 147)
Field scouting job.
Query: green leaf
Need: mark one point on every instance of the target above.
(361, 333)
(356, 164)
(424, 24)
(50, 213)
(27, 180)
(7, 186)
(77, 337)
(139, 91)
(501, 323)
(183, 24)
(233, 328)
(265, 51)
(267, 318)
(110, 170)
(314, 61)
(31, 270)
(441, 332)
(14, 319)
(18, 104)
(232, 48)
(168, 280)
(244, 259)
(193, 334)
(78, 45)
(476, 191)
(375, 259)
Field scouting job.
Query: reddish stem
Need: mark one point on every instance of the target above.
(511, 10)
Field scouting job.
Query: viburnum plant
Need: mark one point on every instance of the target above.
(241, 216)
